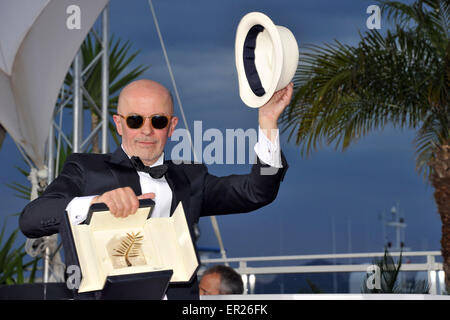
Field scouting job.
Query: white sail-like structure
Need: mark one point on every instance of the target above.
(38, 42)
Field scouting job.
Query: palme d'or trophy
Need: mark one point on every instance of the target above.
(106, 246)
(129, 251)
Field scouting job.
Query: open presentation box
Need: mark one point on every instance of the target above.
(105, 246)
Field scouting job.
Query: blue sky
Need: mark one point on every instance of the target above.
(352, 188)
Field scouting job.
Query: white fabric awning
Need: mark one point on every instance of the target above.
(36, 50)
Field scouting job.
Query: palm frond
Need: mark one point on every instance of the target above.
(23, 192)
(434, 133)
(343, 93)
(430, 17)
(388, 271)
(13, 267)
(119, 59)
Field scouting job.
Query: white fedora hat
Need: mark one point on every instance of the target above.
(266, 58)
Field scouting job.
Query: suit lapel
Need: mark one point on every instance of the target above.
(179, 184)
(123, 171)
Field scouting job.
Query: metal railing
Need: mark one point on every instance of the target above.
(248, 265)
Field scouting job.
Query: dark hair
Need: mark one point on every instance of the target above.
(230, 280)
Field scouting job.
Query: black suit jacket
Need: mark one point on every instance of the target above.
(201, 193)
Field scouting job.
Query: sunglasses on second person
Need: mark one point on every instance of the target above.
(136, 121)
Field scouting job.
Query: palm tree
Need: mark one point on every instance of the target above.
(401, 78)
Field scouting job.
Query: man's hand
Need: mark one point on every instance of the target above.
(271, 111)
(122, 201)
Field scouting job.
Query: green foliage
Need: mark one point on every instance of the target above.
(401, 78)
(64, 151)
(24, 192)
(12, 261)
(389, 278)
(120, 59)
(314, 288)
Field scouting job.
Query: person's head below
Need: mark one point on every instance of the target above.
(145, 119)
(221, 280)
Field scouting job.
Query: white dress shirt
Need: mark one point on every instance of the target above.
(268, 152)
(161, 189)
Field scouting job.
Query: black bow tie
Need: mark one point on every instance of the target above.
(156, 172)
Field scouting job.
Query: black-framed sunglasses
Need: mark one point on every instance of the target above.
(135, 121)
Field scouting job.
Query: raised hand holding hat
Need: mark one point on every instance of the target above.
(266, 58)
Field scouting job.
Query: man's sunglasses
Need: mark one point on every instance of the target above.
(135, 121)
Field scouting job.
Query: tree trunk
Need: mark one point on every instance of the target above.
(440, 178)
(2, 135)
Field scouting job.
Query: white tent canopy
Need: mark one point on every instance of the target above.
(36, 50)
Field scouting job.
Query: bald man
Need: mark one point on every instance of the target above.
(145, 120)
